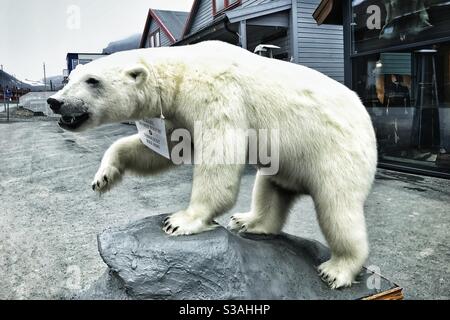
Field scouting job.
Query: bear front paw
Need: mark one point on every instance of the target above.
(105, 178)
(182, 223)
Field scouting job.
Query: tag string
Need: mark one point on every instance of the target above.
(159, 92)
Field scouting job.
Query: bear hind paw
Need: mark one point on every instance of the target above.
(247, 222)
(336, 273)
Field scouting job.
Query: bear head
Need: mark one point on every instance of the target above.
(107, 90)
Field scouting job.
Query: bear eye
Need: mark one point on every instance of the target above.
(92, 81)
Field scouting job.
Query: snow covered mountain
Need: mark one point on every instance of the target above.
(8, 80)
(131, 42)
(35, 85)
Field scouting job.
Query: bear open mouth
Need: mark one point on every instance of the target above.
(72, 122)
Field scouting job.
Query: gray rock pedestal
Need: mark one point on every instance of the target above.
(145, 263)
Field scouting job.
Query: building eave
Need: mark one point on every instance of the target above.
(87, 53)
(217, 23)
(329, 12)
(145, 32)
(235, 15)
(251, 12)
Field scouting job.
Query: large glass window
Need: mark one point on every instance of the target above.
(407, 95)
(385, 23)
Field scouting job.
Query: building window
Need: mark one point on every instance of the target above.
(221, 5)
(407, 94)
(157, 39)
(150, 42)
(154, 39)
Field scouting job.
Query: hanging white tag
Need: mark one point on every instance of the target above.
(152, 133)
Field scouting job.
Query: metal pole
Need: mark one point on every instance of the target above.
(45, 79)
(3, 88)
(243, 34)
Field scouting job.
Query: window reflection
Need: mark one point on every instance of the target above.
(407, 95)
(386, 23)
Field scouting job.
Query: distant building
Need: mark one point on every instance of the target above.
(288, 24)
(163, 28)
(74, 59)
(13, 93)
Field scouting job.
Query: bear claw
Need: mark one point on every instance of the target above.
(182, 223)
(105, 178)
(335, 274)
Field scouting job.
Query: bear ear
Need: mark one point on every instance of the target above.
(139, 74)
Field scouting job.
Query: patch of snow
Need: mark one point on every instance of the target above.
(32, 82)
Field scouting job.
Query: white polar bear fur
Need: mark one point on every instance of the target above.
(327, 141)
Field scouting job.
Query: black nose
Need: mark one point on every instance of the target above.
(55, 105)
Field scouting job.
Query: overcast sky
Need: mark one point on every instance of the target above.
(37, 31)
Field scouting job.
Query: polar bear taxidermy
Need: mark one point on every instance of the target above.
(327, 146)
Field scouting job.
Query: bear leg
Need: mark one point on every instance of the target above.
(127, 154)
(214, 191)
(270, 207)
(342, 223)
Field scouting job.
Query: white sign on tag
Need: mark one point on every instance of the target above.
(152, 133)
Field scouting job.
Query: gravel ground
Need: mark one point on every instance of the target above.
(49, 216)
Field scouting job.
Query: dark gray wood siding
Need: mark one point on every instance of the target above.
(203, 17)
(165, 41)
(319, 47)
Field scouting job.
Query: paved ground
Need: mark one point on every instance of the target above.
(49, 216)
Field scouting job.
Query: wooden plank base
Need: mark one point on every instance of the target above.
(392, 294)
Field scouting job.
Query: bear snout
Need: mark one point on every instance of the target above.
(55, 104)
